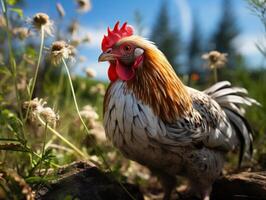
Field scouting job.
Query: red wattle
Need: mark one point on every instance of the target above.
(125, 73)
(112, 73)
(138, 62)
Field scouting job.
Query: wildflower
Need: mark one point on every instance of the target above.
(195, 77)
(215, 59)
(86, 38)
(89, 114)
(91, 73)
(21, 32)
(61, 50)
(84, 5)
(60, 10)
(37, 108)
(98, 89)
(35, 105)
(82, 58)
(40, 20)
(49, 115)
(73, 28)
(22, 84)
(2, 21)
(75, 42)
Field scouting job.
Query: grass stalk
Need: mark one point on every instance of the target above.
(63, 139)
(36, 71)
(215, 74)
(12, 60)
(74, 97)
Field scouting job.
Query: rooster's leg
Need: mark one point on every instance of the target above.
(168, 183)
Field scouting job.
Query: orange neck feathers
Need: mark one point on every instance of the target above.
(157, 85)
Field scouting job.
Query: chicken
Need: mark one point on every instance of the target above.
(157, 121)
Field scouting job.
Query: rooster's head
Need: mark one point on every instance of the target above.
(125, 56)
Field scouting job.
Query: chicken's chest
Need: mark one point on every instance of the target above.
(131, 125)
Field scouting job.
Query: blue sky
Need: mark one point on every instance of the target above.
(105, 13)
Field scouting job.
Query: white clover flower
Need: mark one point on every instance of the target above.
(40, 20)
(61, 50)
(215, 59)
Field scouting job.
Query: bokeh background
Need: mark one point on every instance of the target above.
(201, 21)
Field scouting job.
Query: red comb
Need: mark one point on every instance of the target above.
(116, 34)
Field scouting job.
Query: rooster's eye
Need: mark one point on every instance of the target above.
(127, 48)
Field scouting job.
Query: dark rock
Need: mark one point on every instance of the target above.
(81, 181)
(241, 186)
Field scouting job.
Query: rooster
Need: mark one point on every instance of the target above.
(157, 121)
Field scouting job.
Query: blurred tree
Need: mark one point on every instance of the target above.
(166, 38)
(138, 18)
(227, 31)
(259, 8)
(194, 50)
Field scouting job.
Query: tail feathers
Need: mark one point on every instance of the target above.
(232, 100)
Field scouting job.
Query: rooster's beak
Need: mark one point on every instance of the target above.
(106, 57)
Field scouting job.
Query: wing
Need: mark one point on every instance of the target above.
(207, 124)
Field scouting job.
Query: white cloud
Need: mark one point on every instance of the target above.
(95, 34)
(246, 44)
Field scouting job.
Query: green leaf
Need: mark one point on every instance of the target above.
(4, 70)
(36, 180)
(13, 147)
(11, 2)
(18, 11)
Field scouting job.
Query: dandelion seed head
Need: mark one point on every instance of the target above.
(40, 20)
(90, 115)
(73, 28)
(84, 5)
(75, 42)
(35, 104)
(87, 38)
(21, 32)
(61, 50)
(49, 115)
(98, 89)
(60, 10)
(215, 59)
(88, 112)
(91, 73)
(82, 58)
(37, 108)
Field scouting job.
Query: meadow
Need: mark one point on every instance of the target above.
(51, 117)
